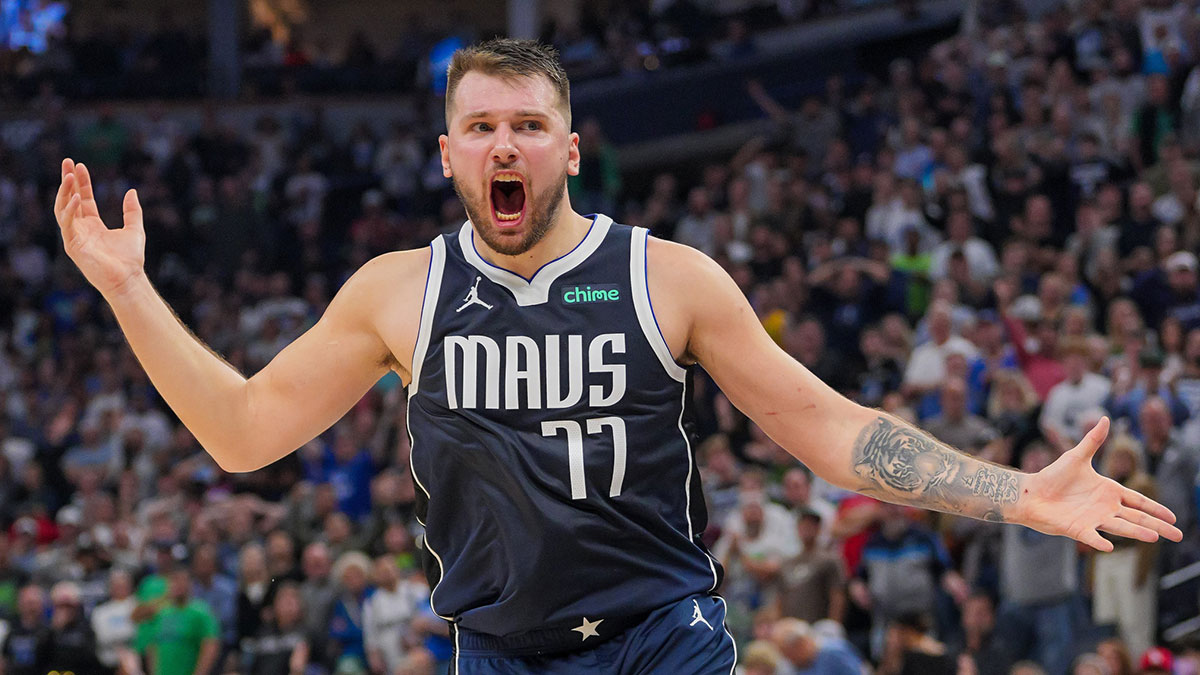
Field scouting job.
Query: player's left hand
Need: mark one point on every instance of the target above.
(1069, 498)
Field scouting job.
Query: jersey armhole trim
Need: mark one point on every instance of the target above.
(433, 287)
(640, 282)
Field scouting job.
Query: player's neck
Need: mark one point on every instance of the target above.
(568, 230)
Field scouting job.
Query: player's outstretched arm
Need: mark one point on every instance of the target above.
(706, 318)
(244, 424)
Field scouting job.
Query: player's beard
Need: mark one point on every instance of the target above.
(541, 211)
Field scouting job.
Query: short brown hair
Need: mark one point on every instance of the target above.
(510, 58)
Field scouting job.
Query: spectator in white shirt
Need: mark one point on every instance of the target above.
(1069, 399)
(927, 366)
(388, 614)
(762, 529)
(755, 540)
(890, 220)
(112, 621)
(981, 257)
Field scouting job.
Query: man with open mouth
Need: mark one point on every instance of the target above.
(547, 356)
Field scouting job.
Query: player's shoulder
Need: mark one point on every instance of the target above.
(397, 275)
(686, 288)
(396, 269)
(679, 264)
(407, 262)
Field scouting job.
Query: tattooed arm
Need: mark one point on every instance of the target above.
(704, 318)
(899, 464)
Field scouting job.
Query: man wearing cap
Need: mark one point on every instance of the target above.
(1182, 277)
(72, 642)
(1170, 290)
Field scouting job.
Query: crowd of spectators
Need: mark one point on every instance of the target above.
(997, 241)
(283, 52)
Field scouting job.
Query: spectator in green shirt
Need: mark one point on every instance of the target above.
(152, 591)
(917, 264)
(183, 637)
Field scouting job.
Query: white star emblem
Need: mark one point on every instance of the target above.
(588, 628)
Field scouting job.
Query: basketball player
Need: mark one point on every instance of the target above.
(547, 356)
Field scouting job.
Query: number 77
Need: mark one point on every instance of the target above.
(575, 450)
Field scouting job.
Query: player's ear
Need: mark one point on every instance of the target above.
(573, 154)
(444, 145)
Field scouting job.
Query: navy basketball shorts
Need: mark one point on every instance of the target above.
(685, 637)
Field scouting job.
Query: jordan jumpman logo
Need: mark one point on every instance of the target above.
(698, 617)
(473, 298)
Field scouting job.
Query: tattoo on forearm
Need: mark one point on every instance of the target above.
(994, 484)
(902, 464)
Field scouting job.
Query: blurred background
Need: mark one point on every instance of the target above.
(982, 216)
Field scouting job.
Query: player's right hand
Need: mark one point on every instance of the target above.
(109, 259)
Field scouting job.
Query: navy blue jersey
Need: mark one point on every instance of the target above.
(554, 477)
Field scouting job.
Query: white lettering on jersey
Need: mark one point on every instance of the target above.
(470, 345)
(596, 397)
(529, 372)
(574, 372)
(522, 361)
